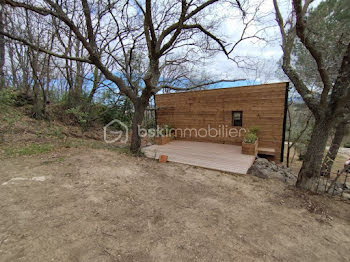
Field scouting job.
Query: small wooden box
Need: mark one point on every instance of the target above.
(250, 149)
(162, 140)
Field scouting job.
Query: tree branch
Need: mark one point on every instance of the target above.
(90, 30)
(287, 46)
(43, 50)
(340, 96)
(206, 32)
(94, 56)
(178, 26)
(301, 24)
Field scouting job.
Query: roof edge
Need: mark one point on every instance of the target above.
(222, 88)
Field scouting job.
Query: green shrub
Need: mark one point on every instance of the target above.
(250, 138)
(7, 97)
(252, 135)
(80, 116)
(347, 144)
(74, 99)
(23, 98)
(148, 123)
(254, 130)
(108, 114)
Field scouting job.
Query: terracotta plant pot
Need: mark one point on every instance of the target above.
(163, 158)
(250, 149)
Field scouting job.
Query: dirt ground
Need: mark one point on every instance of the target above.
(84, 204)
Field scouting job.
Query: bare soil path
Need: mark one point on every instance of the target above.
(81, 204)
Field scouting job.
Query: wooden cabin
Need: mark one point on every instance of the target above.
(227, 109)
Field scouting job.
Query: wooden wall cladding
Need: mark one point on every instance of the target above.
(262, 105)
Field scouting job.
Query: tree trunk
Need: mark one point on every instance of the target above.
(75, 94)
(288, 154)
(37, 111)
(14, 83)
(75, 97)
(311, 167)
(2, 49)
(333, 149)
(136, 122)
(96, 81)
(289, 133)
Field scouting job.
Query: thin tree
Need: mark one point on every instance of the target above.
(118, 30)
(328, 104)
(2, 47)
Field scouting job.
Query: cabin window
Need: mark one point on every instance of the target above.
(237, 117)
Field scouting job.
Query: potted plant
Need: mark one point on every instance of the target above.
(250, 142)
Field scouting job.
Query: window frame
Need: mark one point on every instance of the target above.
(233, 119)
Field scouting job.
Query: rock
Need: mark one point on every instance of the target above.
(334, 191)
(257, 171)
(274, 167)
(262, 161)
(265, 169)
(278, 175)
(346, 196)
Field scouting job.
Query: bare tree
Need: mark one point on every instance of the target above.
(19, 67)
(35, 66)
(327, 106)
(125, 34)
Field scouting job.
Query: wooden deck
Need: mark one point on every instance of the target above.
(221, 157)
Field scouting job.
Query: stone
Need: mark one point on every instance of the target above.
(263, 168)
(261, 161)
(274, 167)
(346, 195)
(257, 171)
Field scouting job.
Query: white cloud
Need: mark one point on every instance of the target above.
(263, 52)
